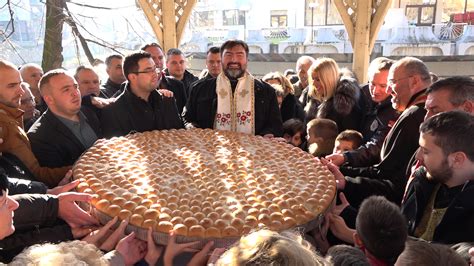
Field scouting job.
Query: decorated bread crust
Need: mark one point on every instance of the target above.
(204, 183)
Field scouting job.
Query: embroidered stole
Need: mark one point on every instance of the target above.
(235, 111)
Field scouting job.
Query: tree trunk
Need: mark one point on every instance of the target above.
(52, 57)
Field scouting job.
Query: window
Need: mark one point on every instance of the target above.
(321, 12)
(454, 10)
(420, 15)
(278, 18)
(204, 19)
(233, 17)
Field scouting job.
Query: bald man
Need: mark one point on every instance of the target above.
(31, 73)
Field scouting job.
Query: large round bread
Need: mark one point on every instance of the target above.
(204, 183)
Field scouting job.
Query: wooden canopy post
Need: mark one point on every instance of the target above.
(362, 20)
(168, 19)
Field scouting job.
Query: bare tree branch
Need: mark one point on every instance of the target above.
(13, 47)
(97, 7)
(104, 45)
(85, 5)
(11, 22)
(130, 24)
(70, 21)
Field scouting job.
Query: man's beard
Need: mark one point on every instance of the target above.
(234, 73)
(442, 174)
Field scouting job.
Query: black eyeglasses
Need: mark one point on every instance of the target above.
(155, 70)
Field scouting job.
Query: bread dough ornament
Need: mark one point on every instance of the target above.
(204, 183)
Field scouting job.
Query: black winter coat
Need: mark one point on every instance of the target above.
(291, 108)
(36, 221)
(129, 114)
(53, 143)
(201, 107)
(347, 107)
(377, 125)
(388, 178)
(457, 222)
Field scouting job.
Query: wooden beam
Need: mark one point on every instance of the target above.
(183, 20)
(363, 20)
(346, 18)
(168, 19)
(361, 40)
(153, 17)
(377, 20)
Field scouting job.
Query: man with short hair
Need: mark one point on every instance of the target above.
(15, 140)
(213, 62)
(302, 66)
(88, 81)
(166, 82)
(235, 100)
(28, 105)
(379, 118)
(65, 130)
(438, 204)
(408, 80)
(31, 73)
(453, 93)
(176, 67)
(140, 107)
(113, 67)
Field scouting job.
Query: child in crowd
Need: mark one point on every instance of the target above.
(321, 135)
(380, 231)
(421, 253)
(344, 255)
(348, 140)
(265, 247)
(293, 132)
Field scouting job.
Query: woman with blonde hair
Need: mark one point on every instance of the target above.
(334, 94)
(265, 247)
(289, 105)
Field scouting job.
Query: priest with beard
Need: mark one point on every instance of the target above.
(439, 202)
(234, 100)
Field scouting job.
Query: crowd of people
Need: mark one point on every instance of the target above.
(400, 148)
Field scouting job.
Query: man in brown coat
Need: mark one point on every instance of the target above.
(14, 137)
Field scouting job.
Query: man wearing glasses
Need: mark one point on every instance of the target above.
(408, 80)
(140, 107)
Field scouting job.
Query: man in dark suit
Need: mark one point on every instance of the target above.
(166, 82)
(65, 130)
(140, 107)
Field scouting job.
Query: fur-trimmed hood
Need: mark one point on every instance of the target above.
(346, 96)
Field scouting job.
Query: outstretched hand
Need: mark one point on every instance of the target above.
(340, 229)
(166, 93)
(71, 213)
(336, 158)
(131, 249)
(337, 210)
(202, 257)
(173, 249)
(65, 185)
(340, 180)
(97, 237)
(154, 251)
